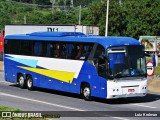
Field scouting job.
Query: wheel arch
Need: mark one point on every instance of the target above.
(82, 84)
(28, 75)
(18, 76)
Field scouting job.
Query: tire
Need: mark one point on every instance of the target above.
(86, 92)
(21, 81)
(29, 83)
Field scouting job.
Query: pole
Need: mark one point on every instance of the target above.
(71, 4)
(52, 7)
(65, 5)
(79, 14)
(120, 2)
(107, 12)
(25, 21)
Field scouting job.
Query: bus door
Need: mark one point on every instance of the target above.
(100, 65)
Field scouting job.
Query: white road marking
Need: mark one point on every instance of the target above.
(120, 118)
(38, 101)
(144, 106)
(47, 103)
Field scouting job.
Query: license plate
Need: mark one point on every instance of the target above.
(131, 90)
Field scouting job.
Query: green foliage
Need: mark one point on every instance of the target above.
(3, 108)
(133, 18)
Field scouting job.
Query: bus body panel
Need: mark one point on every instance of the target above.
(69, 74)
(87, 74)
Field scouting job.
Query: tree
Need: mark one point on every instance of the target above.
(133, 18)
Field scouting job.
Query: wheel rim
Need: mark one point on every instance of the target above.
(86, 92)
(21, 81)
(29, 83)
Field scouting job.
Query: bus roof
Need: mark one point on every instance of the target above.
(76, 37)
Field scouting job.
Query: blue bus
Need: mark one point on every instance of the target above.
(93, 66)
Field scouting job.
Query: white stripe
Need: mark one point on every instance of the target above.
(144, 106)
(38, 101)
(47, 103)
(120, 118)
(55, 64)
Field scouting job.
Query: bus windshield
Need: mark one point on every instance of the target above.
(127, 62)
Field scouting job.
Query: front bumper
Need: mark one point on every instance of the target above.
(126, 88)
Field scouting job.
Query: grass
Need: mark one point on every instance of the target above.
(157, 70)
(3, 108)
(148, 59)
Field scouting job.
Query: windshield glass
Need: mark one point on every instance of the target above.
(127, 63)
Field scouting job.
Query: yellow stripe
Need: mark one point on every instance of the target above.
(59, 75)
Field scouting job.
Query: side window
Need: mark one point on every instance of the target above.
(57, 50)
(7, 45)
(62, 50)
(79, 51)
(12, 46)
(99, 51)
(87, 50)
(100, 62)
(74, 51)
(19, 47)
(26, 47)
(83, 50)
(51, 50)
(65, 50)
(38, 48)
(70, 53)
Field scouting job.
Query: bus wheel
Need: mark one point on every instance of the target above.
(21, 81)
(29, 83)
(86, 93)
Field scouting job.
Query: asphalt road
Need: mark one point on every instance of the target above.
(48, 100)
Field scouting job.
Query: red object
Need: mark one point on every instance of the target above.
(150, 68)
(131, 90)
(2, 42)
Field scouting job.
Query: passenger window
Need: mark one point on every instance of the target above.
(50, 50)
(57, 50)
(14, 46)
(62, 50)
(79, 51)
(69, 50)
(38, 48)
(26, 47)
(87, 50)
